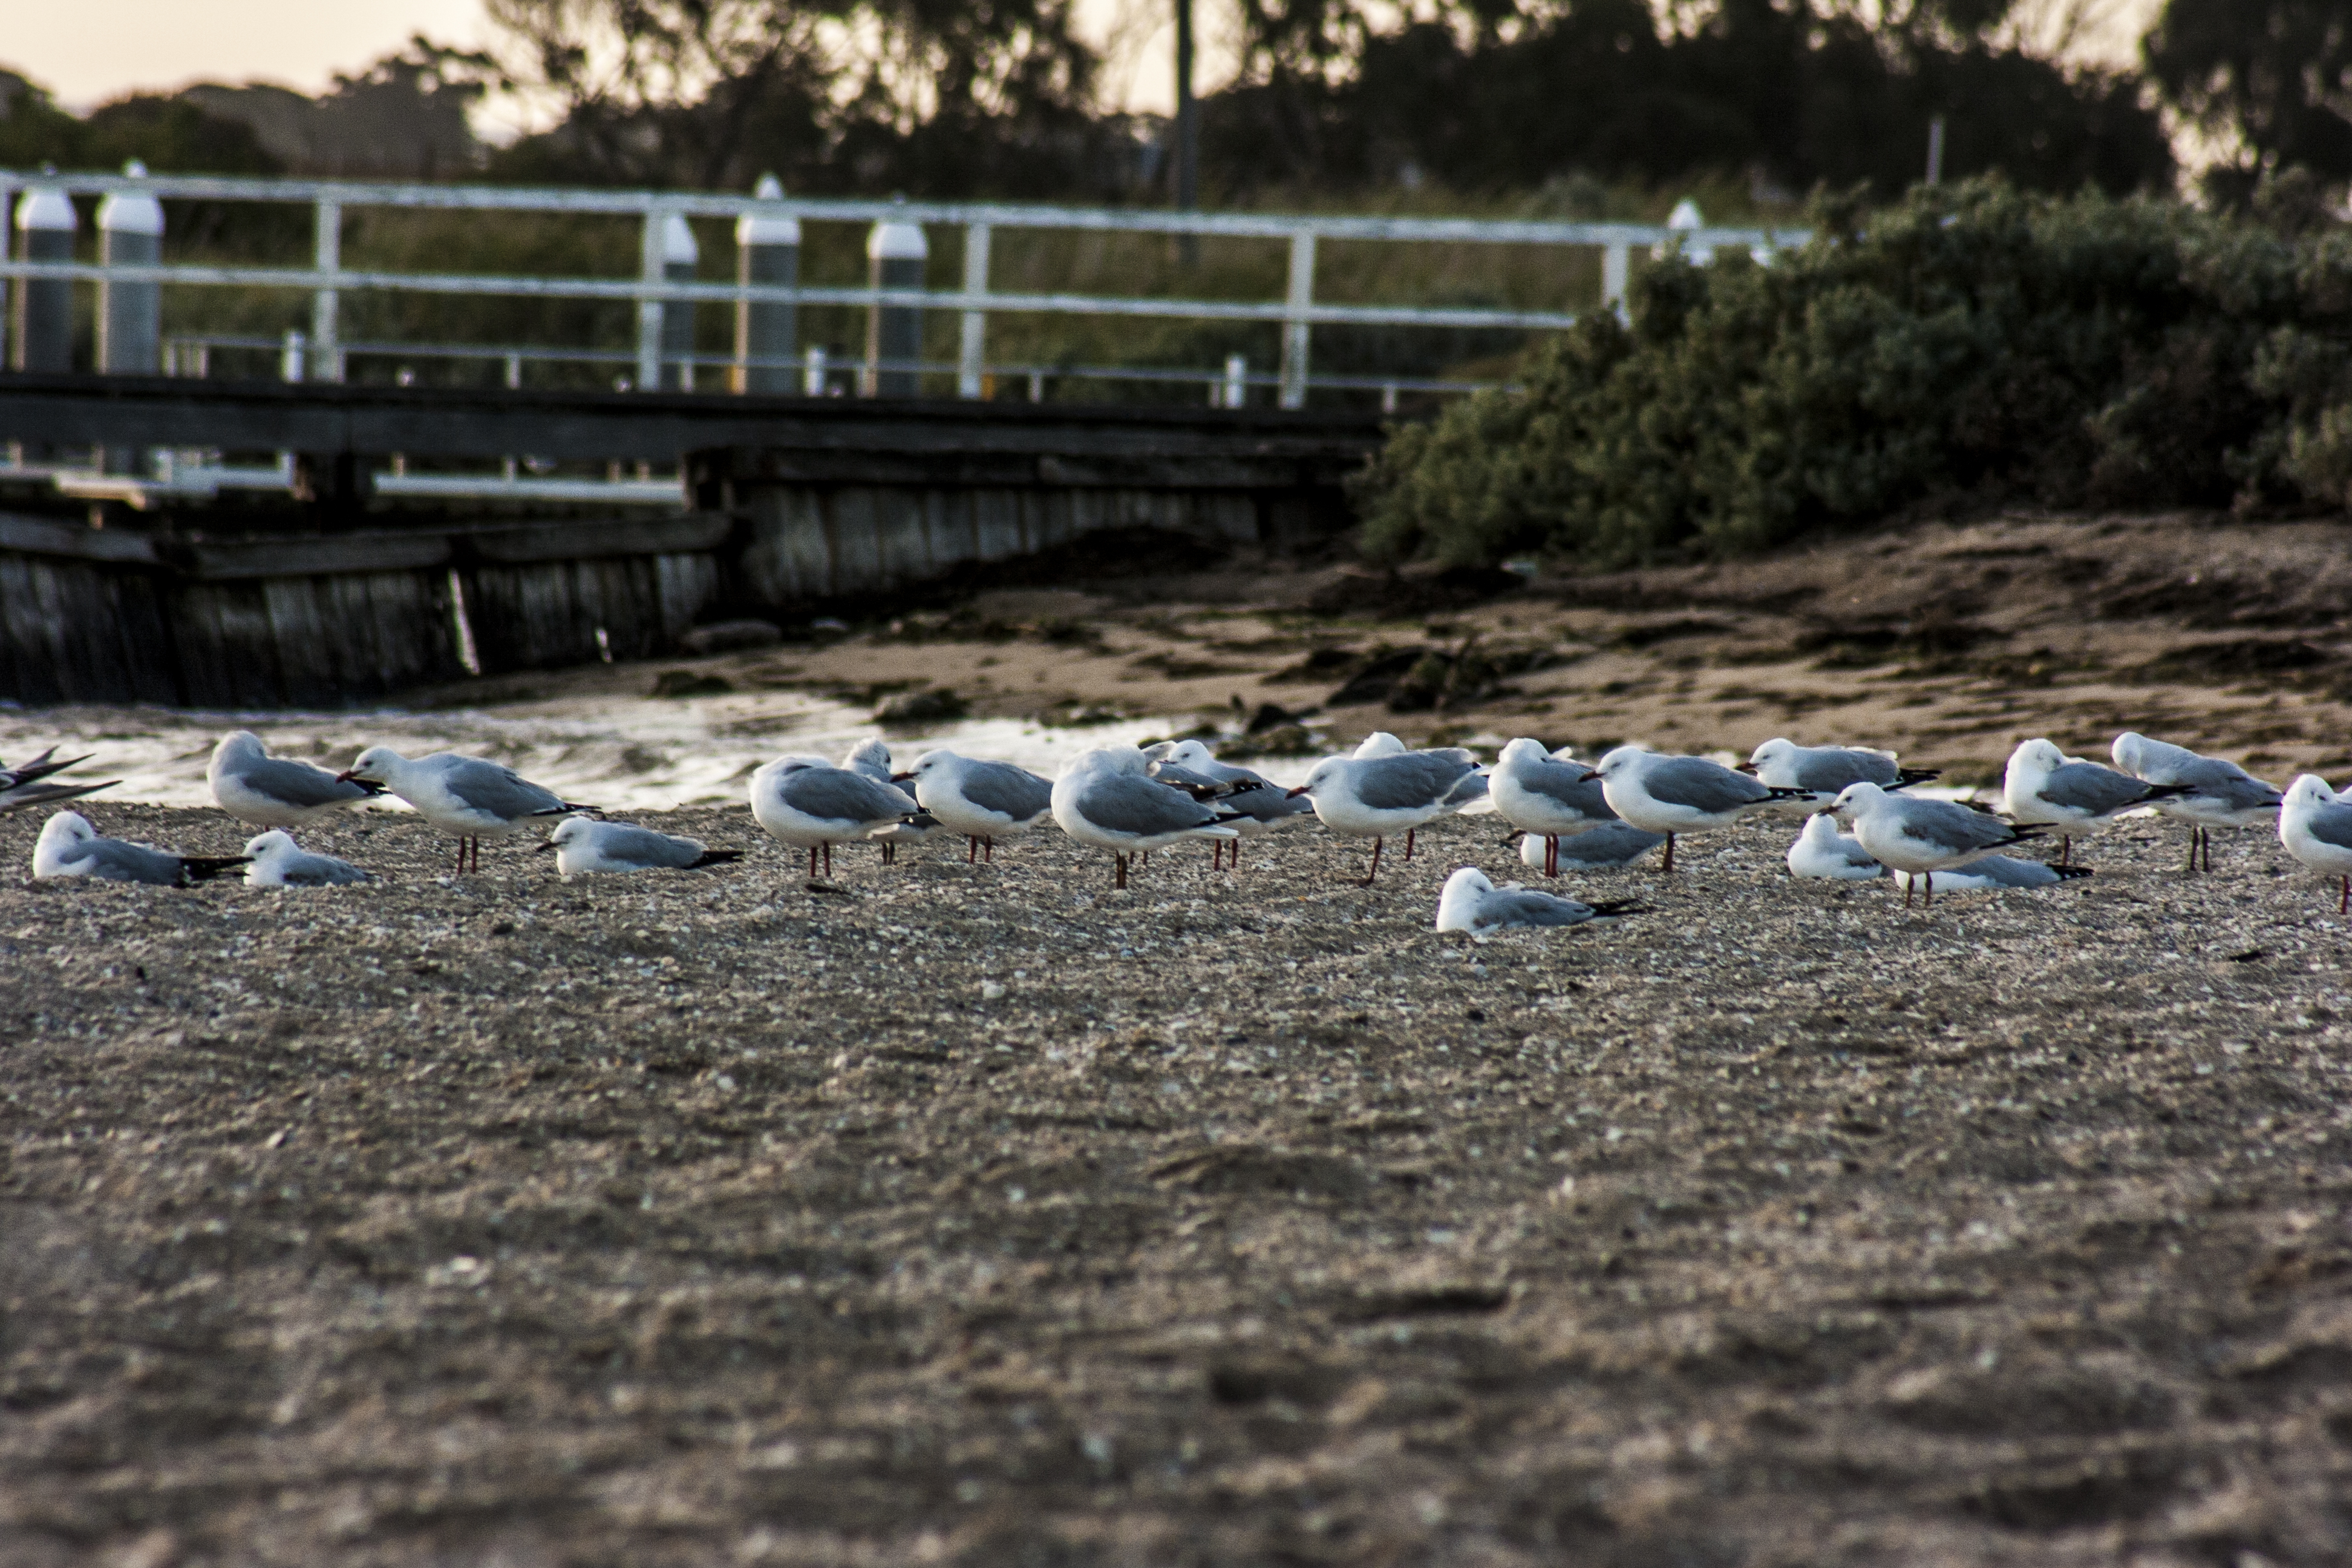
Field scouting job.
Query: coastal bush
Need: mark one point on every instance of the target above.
(1973, 343)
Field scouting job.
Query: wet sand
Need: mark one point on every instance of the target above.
(978, 1213)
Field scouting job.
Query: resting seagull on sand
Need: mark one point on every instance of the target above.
(2044, 785)
(69, 847)
(2214, 792)
(1822, 853)
(280, 862)
(1374, 797)
(985, 801)
(811, 805)
(2316, 826)
(1674, 795)
(1823, 770)
(582, 847)
(275, 792)
(1922, 836)
(1107, 798)
(470, 799)
(1543, 794)
(1472, 903)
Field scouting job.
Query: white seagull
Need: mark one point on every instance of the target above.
(278, 862)
(1546, 796)
(275, 792)
(471, 798)
(811, 805)
(2043, 784)
(872, 758)
(985, 801)
(1822, 770)
(1107, 798)
(2215, 793)
(1922, 836)
(1471, 903)
(582, 847)
(69, 847)
(2316, 828)
(1664, 794)
(1373, 797)
(1821, 852)
(1598, 848)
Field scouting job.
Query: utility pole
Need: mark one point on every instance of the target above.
(1936, 151)
(1187, 132)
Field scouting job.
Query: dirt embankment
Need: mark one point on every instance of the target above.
(977, 1214)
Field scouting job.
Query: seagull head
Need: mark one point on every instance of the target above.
(1522, 752)
(1621, 760)
(270, 844)
(2126, 750)
(1326, 772)
(376, 765)
(1770, 751)
(571, 830)
(2309, 790)
(873, 753)
(1457, 904)
(67, 827)
(931, 761)
(242, 745)
(1821, 825)
(1380, 743)
(1189, 754)
(2036, 757)
(1856, 800)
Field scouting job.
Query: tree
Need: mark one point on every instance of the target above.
(2272, 76)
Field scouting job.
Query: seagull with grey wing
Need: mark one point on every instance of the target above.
(2316, 826)
(280, 862)
(1823, 770)
(1546, 796)
(2044, 785)
(811, 805)
(1107, 798)
(872, 758)
(470, 799)
(69, 847)
(26, 784)
(275, 792)
(2215, 793)
(1471, 903)
(1922, 837)
(985, 801)
(1258, 804)
(1659, 793)
(1601, 849)
(1378, 796)
(581, 846)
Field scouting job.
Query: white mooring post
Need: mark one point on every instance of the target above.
(652, 257)
(812, 372)
(1294, 324)
(1236, 382)
(767, 255)
(42, 338)
(293, 357)
(1616, 263)
(894, 254)
(971, 358)
(130, 314)
(326, 304)
(680, 258)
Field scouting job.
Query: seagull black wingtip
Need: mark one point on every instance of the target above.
(1906, 777)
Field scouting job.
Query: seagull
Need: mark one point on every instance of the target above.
(1598, 848)
(983, 801)
(278, 862)
(69, 847)
(1674, 795)
(1546, 796)
(1999, 873)
(471, 798)
(1471, 903)
(1922, 836)
(1372, 797)
(1823, 852)
(1823, 770)
(2045, 785)
(808, 802)
(2216, 792)
(581, 845)
(1108, 799)
(275, 792)
(22, 786)
(1258, 804)
(2316, 828)
(872, 758)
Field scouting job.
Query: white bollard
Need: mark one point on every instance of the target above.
(895, 253)
(41, 336)
(1236, 382)
(680, 257)
(130, 314)
(813, 372)
(767, 253)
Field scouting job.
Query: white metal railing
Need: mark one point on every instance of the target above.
(1298, 312)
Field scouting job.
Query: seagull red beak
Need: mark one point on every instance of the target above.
(1745, 768)
(349, 776)
(1294, 793)
(902, 778)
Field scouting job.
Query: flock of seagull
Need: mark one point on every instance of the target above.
(1132, 800)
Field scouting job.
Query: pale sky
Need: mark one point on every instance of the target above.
(87, 51)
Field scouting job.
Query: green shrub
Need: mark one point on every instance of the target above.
(1972, 342)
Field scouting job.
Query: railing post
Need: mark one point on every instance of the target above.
(44, 326)
(326, 304)
(767, 255)
(812, 372)
(291, 365)
(896, 253)
(652, 257)
(1294, 325)
(130, 315)
(680, 258)
(1236, 382)
(971, 362)
(1615, 262)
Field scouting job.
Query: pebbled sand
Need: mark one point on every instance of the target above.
(704, 1219)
